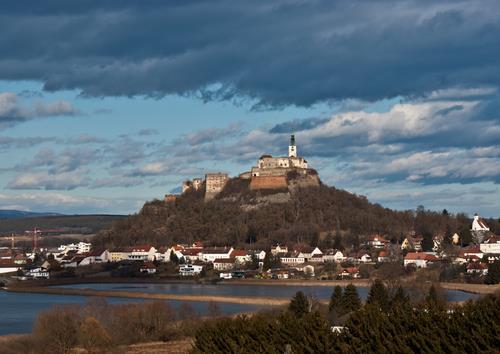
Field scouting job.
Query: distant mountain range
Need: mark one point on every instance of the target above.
(18, 214)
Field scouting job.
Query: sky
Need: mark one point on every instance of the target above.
(105, 104)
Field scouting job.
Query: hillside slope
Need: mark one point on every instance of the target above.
(242, 217)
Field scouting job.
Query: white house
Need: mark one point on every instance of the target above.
(96, 256)
(334, 256)
(419, 259)
(278, 250)
(80, 247)
(479, 224)
(308, 252)
(491, 245)
(377, 241)
(142, 253)
(292, 259)
(38, 273)
(190, 269)
(223, 264)
(208, 255)
(365, 258)
(241, 256)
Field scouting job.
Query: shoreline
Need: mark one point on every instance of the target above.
(264, 301)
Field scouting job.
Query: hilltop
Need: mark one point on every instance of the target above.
(279, 200)
(244, 217)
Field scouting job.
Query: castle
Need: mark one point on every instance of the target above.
(270, 173)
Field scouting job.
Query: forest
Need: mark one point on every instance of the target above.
(386, 323)
(244, 218)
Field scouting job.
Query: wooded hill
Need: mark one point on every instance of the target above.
(243, 218)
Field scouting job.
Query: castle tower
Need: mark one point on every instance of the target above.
(292, 149)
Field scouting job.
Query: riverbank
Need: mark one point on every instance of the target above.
(263, 301)
(480, 289)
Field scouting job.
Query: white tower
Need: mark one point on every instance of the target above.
(292, 149)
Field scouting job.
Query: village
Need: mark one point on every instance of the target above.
(279, 262)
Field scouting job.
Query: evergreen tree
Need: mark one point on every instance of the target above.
(378, 295)
(173, 258)
(300, 304)
(350, 300)
(493, 273)
(335, 299)
(400, 297)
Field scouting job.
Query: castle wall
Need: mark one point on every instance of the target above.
(268, 182)
(215, 182)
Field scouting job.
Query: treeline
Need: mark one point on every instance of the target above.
(99, 327)
(312, 216)
(385, 324)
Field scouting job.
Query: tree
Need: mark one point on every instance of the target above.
(493, 273)
(378, 295)
(400, 297)
(350, 300)
(335, 299)
(271, 261)
(92, 336)
(300, 304)
(173, 257)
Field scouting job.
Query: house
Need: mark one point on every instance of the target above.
(317, 258)
(208, 255)
(241, 256)
(279, 250)
(419, 259)
(455, 238)
(38, 273)
(292, 259)
(7, 266)
(383, 257)
(468, 252)
(80, 247)
(148, 268)
(364, 258)
(377, 241)
(95, 256)
(437, 242)
(349, 273)
(412, 242)
(333, 256)
(20, 259)
(223, 264)
(190, 270)
(119, 254)
(477, 268)
(190, 255)
(479, 229)
(479, 224)
(308, 252)
(142, 253)
(260, 254)
(491, 245)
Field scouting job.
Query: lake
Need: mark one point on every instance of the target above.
(228, 289)
(19, 310)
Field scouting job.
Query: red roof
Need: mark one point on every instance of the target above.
(239, 253)
(493, 239)
(382, 254)
(141, 248)
(416, 256)
(190, 251)
(350, 270)
(478, 266)
(148, 265)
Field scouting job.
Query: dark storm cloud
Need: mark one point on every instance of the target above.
(276, 53)
(297, 125)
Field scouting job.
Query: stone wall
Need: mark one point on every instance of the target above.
(268, 182)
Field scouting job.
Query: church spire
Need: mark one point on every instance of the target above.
(292, 149)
